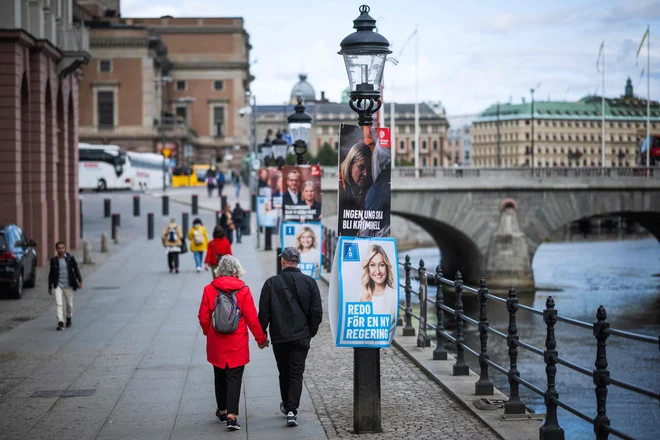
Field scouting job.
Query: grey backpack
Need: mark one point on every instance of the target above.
(226, 314)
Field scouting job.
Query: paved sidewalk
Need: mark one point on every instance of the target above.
(136, 343)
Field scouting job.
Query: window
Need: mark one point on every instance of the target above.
(218, 129)
(435, 145)
(218, 84)
(105, 66)
(181, 85)
(423, 161)
(402, 145)
(424, 145)
(182, 114)
(105, 105)
(435, 161)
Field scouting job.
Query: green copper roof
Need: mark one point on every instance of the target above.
(588, 107)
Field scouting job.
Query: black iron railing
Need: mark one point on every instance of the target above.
(514, 406)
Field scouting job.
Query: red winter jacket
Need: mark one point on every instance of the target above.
(222, 246)
(230, 349)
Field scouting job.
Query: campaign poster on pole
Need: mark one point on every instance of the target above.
(306, 237)
(269, 183)
(301, 195)
(267, 215)
(368, 281)
(364, 182)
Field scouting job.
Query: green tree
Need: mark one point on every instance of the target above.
(327, 155)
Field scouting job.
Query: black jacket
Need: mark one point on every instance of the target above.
(74, 273)
(281, 311)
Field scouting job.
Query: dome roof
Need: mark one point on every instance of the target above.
(304, 89)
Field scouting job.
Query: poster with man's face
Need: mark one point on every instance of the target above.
(364, 183)
(301, 195)
(307, 238)
(269, 182)
(368, 292)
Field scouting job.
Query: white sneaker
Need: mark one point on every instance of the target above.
(199, 269)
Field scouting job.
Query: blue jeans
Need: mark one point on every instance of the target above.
(238, 189)
(198, 258)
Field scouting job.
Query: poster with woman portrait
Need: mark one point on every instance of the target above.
(306, 237)
(267, 215)
(364, 183)
(368, 306)
(301, 193)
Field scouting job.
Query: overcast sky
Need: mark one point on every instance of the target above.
(472, 53)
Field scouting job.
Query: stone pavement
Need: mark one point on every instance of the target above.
(136, 342)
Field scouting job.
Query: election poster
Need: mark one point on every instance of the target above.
(301, 195)
(267, 215)
(306, 237)
(269, 182)
(368, 281)
(364, 182)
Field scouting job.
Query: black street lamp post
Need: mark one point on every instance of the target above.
(300, 124)
(279, 149)
(365, 53)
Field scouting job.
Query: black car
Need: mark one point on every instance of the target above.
(18, 260)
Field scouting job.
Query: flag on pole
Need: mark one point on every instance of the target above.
(600, 54)
(646, 34)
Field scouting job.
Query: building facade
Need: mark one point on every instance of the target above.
(178, 82)
(563, 134)
(43, 45)
(328, 117)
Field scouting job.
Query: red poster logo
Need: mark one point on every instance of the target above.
(384, 137)
(314, 170)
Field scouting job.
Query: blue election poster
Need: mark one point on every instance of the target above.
(306, 237)
(368, 292)
(267, 214)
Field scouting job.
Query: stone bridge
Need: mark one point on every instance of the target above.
(490, 222)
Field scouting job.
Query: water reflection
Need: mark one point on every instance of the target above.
(580, 277)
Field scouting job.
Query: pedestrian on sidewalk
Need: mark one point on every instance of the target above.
(220, 180)
(236, 179)
(290, 305)
(216, 249)
(238, 215)
(172, 240)
(65, 278)
(229, 352)
(199, 241)
(227, 223)
(210, 181)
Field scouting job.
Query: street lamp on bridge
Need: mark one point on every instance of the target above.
(365, 52)
(300, 124)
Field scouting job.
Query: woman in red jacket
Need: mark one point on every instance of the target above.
(216, 248)
(229, 352)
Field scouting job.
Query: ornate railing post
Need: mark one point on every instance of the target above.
(550, 429)
(514, 405)
(422, 338)
(601, 374)
(483, 385)
(439, 354)
(460, 368)
(408, 329)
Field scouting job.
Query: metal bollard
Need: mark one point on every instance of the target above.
(87, 252)
(114, 225)
(408, 329)
(514, 405)
(136, 206)
(195, 204)
(218, 216)
(80, 215)
(253, 202)
(116, 235)
(551, 428)
(268, 239)
(223, 202)
(278, 262)
(150, 226)
(483, 385)
(106, 208)
(166, 205)
(460, 368)
(185, 221)
(247, 230)
(104, 243)
(601, 373)
(439, 354)
(422, 339)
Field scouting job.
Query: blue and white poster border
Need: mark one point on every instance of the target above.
(315, 258)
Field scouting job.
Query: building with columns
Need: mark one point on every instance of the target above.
(328, 116)
(43, 45)
(564, 134)
(177, 80)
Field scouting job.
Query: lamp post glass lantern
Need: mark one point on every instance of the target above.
(300, 124)
(365, 53)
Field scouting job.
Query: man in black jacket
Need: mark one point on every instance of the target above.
(290, 304)
(65, 278)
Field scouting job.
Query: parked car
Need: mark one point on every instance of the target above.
(18, 260)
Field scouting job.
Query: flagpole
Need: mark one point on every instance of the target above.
(648, 95)
(416, 103)
(602, 111)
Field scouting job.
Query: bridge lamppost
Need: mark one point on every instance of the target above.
(365, 52)
(300, 124)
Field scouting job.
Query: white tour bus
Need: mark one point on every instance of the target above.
(102, 167)
(148, 170)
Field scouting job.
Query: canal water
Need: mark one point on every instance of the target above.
(623, 276)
